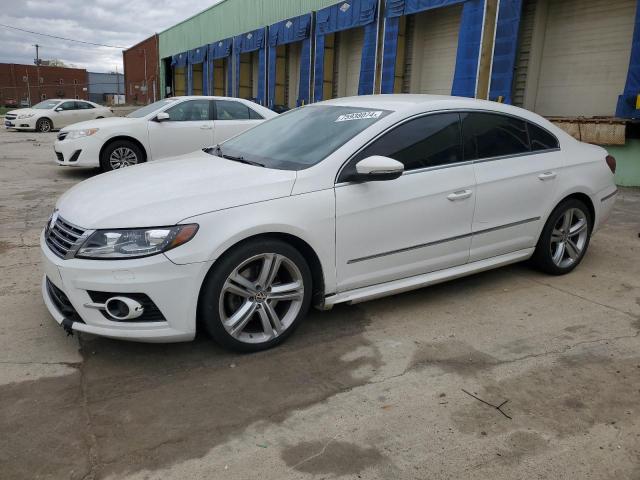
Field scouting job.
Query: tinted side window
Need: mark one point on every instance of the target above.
(253, 115)
(230, 110)
(84, 105)
(190, 111)
(487, 135)
(68, 106)
(541, 139)
(424, 142)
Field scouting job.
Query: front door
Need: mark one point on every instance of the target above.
(188, 129)
(516, 165)
(418, 223)
(65, 114)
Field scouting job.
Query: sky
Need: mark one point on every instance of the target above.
(121, 23)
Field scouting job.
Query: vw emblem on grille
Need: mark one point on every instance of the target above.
(54, 219)
(345, 6)
(288, 24)
(250, 36)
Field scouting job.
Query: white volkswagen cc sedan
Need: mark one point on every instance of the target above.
(340, 201)
(166, 128)
(54, 114)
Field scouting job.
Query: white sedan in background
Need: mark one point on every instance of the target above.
(55, 114)
(166, 128)
(335, 202)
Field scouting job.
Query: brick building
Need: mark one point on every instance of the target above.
(28, 83)
(141, 72)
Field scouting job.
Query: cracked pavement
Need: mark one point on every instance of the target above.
(367, 391)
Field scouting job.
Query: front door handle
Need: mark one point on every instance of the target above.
(460, 195)
(205, 127)
(547, 176)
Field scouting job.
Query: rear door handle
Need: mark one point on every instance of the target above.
(205, 127)
(547, 176)
(460, 195)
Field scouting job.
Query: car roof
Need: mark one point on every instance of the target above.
(403, 103)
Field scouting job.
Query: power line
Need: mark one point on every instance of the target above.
(62, 38)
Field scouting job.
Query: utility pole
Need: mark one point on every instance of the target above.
(37, 62)
(146, 88)
(118, 82)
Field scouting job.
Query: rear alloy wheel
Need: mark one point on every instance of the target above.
(120, 154)
(256, 296)
(565, 238)
(44, 125)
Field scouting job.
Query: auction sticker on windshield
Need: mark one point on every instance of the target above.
(359, 116)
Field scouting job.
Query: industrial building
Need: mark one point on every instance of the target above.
(141, 71)
(576, 61)
(106, 88)
(24, 85)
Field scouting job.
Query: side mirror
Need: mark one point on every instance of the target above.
(59, 109)
(162, 117)
(377, 168)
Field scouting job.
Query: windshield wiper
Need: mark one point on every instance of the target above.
(218, 152)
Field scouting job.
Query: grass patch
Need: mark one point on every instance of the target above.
(4, 110)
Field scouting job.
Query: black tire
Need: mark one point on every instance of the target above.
(209, 308)
(543, 257)
(44, 125)
(125, 146)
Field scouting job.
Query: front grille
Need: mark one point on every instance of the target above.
(62, 303)
(60, 157)
(63, 238)
(151, 312)
(10, 116)
(62, 135)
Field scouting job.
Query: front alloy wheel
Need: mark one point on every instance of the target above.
(121, 154)
(122, 157)
(256, 296)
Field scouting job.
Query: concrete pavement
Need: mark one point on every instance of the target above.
(369, 391)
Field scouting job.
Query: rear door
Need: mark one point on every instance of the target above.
(189, 128)
(231, 118)
(85, 111)
(516, 166)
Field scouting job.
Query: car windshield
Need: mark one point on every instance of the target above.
(152, 107)
(300, 138)
(46, 105)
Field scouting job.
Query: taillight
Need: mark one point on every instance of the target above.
(611, 163)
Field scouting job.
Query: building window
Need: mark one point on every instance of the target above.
(41, 79)
(61, 81)
(75, 81)
(43, 96)
(77, 97)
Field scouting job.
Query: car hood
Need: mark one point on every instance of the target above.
(113, 122)
(167, 191)
(21, 111)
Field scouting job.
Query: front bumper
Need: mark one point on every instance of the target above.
(21, 123)
(79, 152)
(173, 288)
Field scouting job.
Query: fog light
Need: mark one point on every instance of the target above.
(123, 308)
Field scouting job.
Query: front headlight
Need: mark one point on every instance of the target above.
(81, 133)
(135, 243)
(25, 115)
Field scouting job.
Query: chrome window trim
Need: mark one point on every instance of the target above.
(464, 162)
(444, 240)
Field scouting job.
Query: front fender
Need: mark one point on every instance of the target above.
(309, 217)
